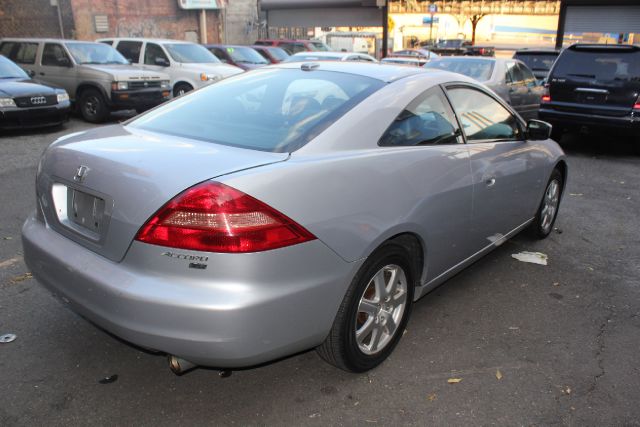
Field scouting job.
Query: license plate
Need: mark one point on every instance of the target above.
(85, 210)
(592, 98)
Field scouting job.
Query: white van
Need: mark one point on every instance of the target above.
(189, 65)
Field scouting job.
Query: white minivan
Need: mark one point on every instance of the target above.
(189, 65)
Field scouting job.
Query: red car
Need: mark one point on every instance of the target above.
(271, 54)
(294, 46)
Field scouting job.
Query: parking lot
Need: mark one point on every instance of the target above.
(531, 344)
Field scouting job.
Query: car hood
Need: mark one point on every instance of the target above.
(24, 87)
(223, 70)
(135, 173)
(126, 72)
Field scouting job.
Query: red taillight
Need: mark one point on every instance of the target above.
(546, 96)
(214, 217)
(482, 51)
(636, 106)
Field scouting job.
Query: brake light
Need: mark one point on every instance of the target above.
(214, 217)
(481, 51)
(636, 106)
(546, 96)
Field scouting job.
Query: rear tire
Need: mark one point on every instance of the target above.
(547, 212)
(92, 106)
(374, 312)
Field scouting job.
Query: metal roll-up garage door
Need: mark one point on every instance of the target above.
(602, 19)
(322, 13)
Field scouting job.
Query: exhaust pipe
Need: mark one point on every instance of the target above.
(180, 366)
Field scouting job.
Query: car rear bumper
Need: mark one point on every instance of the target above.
(242, 310)
(139, 99)
(20, 118)
(581, 119)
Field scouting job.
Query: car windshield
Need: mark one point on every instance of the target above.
(190, 53)
(309, 56)
(274, 110)
(537, 61)
(599, 64)
(9, 70)
(319, 46)
(245, 55)
(279, 54)
(478, 69)
(449, 43)
(95, 53)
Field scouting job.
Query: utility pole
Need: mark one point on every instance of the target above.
(203, 26)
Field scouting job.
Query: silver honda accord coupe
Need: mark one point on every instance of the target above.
(293, 207)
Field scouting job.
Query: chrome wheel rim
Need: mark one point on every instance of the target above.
(550, 205)
(381, 309)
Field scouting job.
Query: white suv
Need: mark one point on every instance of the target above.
(189, 65)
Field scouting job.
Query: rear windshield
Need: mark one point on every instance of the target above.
(479, 69)
(272, 110)
(602, 65)
(190, 53)
(537, 61)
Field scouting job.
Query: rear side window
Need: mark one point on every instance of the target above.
(427, 120)
(292, 48)
(598, 64)
(482, 117)
(6, 48)
(130, 50)
(514, 74)
(274, 110)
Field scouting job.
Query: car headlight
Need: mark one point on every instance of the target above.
(7, 102)
(119, 85)
(165, 84)
(63, 97)
(209, 77)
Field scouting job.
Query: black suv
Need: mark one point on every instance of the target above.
(594, 85)
(539, 61)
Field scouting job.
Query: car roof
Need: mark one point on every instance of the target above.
(287, 40)
(230, 45)
(42, 39)
(145, 39)
(474, 58)
(600, 46)
(537, 50)
(384, 72)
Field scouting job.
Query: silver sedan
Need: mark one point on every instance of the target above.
(293, 207)
(511, 79)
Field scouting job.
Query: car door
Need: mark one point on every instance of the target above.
(516, 88)
(534, 93)
(57, 68)
(22, 53)
(156, 59)
(505, 172)
(426, 139)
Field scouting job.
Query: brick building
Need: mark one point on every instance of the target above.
(92, 19)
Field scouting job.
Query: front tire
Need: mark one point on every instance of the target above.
(374, 312)
(93, 107)
(548, 210)
(181, 88)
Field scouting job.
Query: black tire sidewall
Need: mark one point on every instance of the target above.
(102, 110)
(176, 89)
(358, 361)
(537, 223)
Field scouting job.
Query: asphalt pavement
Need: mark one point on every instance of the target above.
(530, 344)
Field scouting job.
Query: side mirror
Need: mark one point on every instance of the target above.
(31, 73)
(538, 130)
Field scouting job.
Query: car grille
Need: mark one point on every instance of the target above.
(144, 84)
(36, 101)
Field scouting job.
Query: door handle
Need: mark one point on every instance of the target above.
(41, 73)
(490, 182)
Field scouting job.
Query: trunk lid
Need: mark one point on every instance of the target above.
(99, 187)
(595, 79)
